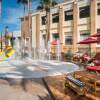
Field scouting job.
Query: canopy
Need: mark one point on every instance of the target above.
(96, 35)
(89, 41)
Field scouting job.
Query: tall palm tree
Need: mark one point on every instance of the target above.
(46, 5)
(24, 3)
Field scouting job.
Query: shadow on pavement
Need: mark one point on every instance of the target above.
(47, 97)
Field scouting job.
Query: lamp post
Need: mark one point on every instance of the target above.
(1, 41)
(12, 39)
(30, 30)
(6, 35)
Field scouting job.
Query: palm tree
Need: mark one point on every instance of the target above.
(45, 5)
(24, 3)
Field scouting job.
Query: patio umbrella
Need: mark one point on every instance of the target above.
(89, 40)
(96, 35)
(54, 42)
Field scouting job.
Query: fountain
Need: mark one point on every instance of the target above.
(49, 50)
(58, 51)
(15, 67)
(42, 50)
(17, 48)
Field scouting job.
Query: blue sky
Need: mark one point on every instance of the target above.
(11, 12)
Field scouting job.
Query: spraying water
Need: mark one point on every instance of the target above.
(15, 67)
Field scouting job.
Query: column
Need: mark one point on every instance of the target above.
(93, 12)
(50, 36)
(37, 33)
(75, 25)
(61, 19)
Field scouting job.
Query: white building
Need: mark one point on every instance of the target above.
(70, 22)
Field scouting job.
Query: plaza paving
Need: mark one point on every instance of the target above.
(34, 90)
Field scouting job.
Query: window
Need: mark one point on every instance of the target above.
(98, 31)
(27, 41)
(55, 18)
(43, 18)
(44, 39)
(68, 15)
(84, 35)
(55, 36)
(98, 8)
(68, 39)
(44, 36)
(22, 19)
(26, 18)
(84, 11)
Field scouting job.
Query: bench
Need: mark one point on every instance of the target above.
(91, 80)
(75, 84)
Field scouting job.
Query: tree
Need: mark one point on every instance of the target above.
(45, 5)
(24, 3)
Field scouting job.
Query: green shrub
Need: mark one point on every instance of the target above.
(69, 55)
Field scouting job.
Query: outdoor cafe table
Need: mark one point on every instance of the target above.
(90, 79)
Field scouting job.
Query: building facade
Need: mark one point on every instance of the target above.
(26, 36)
(70, 22)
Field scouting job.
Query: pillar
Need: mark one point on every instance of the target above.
(37, 32)
(60, 28)
(93, 13)
(75, 25)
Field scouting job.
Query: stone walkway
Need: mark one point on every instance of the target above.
(29, 90)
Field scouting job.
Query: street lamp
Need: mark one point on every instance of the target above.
(6, 35)
(1, 42)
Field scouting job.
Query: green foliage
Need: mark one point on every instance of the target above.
(46, 4)
(22, 1)
(69, 55)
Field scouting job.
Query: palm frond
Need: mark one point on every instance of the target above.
(45, 4)
(22, 1)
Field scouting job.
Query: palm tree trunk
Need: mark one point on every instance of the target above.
(30, 34)
(23, 38)
(48, 25)
(1, 41)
